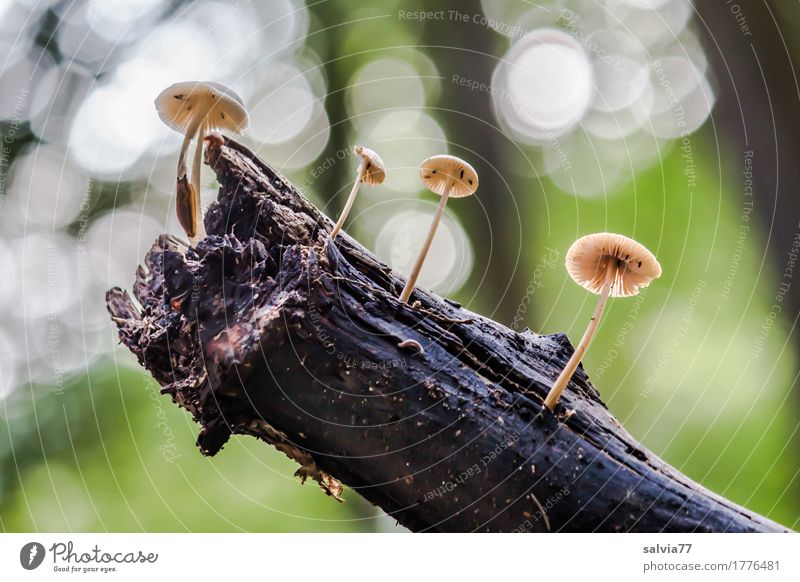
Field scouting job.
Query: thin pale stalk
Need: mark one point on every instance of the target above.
(572, 365)
(187, 139)
(350, 199)
(412, 279)
(183, 203)
(200, 230)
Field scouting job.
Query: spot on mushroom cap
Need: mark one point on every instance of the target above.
(588, 258)
(440, 173)
(179, 104)
(375, 171)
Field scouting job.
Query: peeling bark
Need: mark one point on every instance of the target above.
(431, 412)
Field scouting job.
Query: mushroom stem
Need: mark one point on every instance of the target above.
(199, 230)
(412, 278)
(350, 199)
(566, 374)
(185, 199)
(187, 139)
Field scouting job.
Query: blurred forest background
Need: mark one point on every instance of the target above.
(669, 122)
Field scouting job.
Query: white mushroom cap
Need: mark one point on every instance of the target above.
(179, 104)
(375, 170)
(588, 258)
(442, 173)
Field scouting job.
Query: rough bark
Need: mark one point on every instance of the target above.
(270, 329)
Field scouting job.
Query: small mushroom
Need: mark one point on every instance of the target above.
(214, 139)
(608, 265)
(195, 108)
(447, 176)
(371, 171)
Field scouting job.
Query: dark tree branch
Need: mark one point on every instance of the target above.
(271, 330)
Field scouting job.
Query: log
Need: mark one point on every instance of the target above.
(434, 413)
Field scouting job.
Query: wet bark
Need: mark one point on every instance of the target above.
(270, 329)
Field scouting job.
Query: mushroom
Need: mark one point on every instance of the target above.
(371, 171)
(447, 176)
(195, 108)
(609, 265)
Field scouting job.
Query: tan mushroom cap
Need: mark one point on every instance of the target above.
(375, 170)
(588, 258)
(440, 173)
(178, 104)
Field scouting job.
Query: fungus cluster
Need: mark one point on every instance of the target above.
(606, 264)
(199, 109)
(447, 176)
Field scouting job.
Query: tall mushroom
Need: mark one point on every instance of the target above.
(371, 171)
(195, 108)
(447, 176)
(609, 265)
